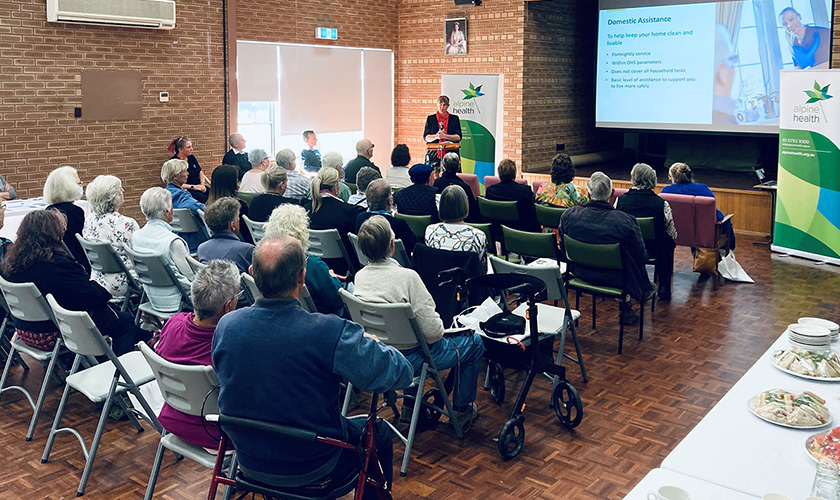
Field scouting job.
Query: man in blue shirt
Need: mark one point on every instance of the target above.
(223, 221)
(311, 157)
(279, 363)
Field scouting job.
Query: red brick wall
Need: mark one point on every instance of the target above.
(42, 85)
(495, 34)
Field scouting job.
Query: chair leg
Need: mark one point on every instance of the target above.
(347, 396)
(620, 333)
(60, 412)
(97, 436)
(641, 319)
(152, 418)
(127, 410)
(415, 416)
(594, 309)
(150, 489)
(7, 368)
(37, 410)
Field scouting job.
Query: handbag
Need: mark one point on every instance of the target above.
(705, 261)
(503, 324)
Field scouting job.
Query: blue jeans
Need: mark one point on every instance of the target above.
(464, 353)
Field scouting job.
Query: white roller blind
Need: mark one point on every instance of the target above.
(321, 89)
(257, 75)
(379, 104)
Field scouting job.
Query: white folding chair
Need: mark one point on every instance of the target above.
(104, 258)
(26, 303)
(152, 271)
(396, 324)
(184, 221)
(195, 265)
(190, 389)
(327, 244)
(253, 293)
(257, 229)
(400, 255)
(101, 383)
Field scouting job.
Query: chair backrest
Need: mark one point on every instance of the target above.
(549, 216)
(354, 240)
(536, 185)
(694, 218)
(490, 180)
(246, 197)
(306, 301)
(152, 270)
(183, 221)
(616, 193)
(550, 275)
(251, 287)
(472, 181)
(257, 229)
(417, 223)
(184, 387)
(392, 323)
(79, 332)
(648, 230)
(25, 301)
(601, 255)
(530, 244)
(400, 255)
(353, 188)
(103, 257)
(195, 265)
(498, 211)
(484, 227)
(327, 244)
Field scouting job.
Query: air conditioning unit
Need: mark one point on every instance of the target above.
(155, 14)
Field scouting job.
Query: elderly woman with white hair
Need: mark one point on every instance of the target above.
(174, 174)
(157, 237)
(323, 285)
(251, 181)
(62, 188)
(641, 201)
(105, 194)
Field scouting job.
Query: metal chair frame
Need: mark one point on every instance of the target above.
(103, 257)
(152, 270)
(327, 244)
(257, 229)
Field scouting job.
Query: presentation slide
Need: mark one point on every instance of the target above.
(703, 66)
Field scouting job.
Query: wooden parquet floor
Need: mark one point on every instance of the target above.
(637, 406)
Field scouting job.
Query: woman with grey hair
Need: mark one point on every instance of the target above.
(642, 201)
(187, 338)
(157, 237)
(195, 181)
(323, 284)
(106, 196)
(62, 189)
(174, 174)
(251, 181)
(453, 233)
(274, 180)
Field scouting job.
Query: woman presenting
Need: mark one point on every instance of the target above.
(441, 126)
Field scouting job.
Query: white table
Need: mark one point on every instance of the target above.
(16, 210)
(733, 448)
(697, 489)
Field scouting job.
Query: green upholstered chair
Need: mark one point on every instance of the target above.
(246, 197)
(529, 244)
(549, 216)
(417, 223)
(485, 228)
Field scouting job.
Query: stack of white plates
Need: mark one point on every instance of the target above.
(833, 327)
(809, 337)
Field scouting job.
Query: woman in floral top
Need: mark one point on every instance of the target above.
(106, 195)
(453, 234)
(561, 192)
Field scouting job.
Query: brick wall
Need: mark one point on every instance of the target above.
(42, 85)
(495, 36)
(559, 89)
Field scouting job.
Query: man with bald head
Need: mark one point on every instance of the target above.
(237, 156)
(364, 152)
(598, 222)
(277, 362)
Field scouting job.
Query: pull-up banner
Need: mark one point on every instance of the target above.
(474, 98)
(807, 222)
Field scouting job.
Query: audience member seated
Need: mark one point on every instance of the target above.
(223, 184)
(451, 167)
(223, 220)
(279, 363)
(62, 189)
(157, 237)
(397, 175)
(106, 196)
(383, 280)
(641, 201)
(5, 243)
(327, 211)
(364, 152)
(195, 182)
(453, 233)
(298, 186)
(419, 197)
(509, 190)
(323, 284)
(251, 183)
(311, 156)
(174, 173)
(275, 181)
(236, 156)
(682, 182)
(7, 191)
(561, 192)
(379, 203)
(186, 339)
(598, 222)
(335, 161)
(38, 257)
(363, 179)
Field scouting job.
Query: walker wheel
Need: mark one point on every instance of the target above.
(567, 405)
(497, 383)
(428, 415)
(511, 437)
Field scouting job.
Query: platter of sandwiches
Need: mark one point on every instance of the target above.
(780, 407)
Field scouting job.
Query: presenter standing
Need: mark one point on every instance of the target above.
(441, 127)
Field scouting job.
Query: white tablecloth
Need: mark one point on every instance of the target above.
(16, 210)
(733, 448)
(697, 489)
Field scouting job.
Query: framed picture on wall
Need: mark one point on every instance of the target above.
(455, 37)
